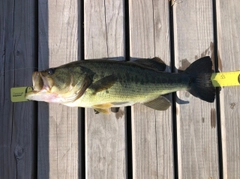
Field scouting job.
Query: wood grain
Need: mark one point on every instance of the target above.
(46, 144)
(58, 124)
(105, 134)
(152, 130)
(197, 140)
(228, 43)
(17, 61)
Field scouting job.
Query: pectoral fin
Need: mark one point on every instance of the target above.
(161, 103)
(103, 84)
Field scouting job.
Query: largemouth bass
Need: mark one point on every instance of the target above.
(102, 84)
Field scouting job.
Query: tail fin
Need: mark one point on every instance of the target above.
(200, 85)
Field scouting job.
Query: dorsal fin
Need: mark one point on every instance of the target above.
(154, 63)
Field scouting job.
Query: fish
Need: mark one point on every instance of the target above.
(105, 84)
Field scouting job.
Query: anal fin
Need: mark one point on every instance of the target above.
(161, 103)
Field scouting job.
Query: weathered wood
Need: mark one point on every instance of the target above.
(228, 43)
(105, 134)
(197, 140)
(152, 130)
(17, 61)
(58, 136)
(58, 127)
(43, 108)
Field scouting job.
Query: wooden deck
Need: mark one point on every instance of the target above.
(194, 140)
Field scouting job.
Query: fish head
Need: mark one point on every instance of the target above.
(52, 80)
(59, 85)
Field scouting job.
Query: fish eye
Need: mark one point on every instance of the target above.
(50, 71)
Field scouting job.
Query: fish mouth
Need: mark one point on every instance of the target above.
(40, 83)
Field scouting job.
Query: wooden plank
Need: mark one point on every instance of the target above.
(17, 61)
(228, 43)
(58, 126)
(197, 140)
(152, 130)
(105, 134)
(43, 108)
